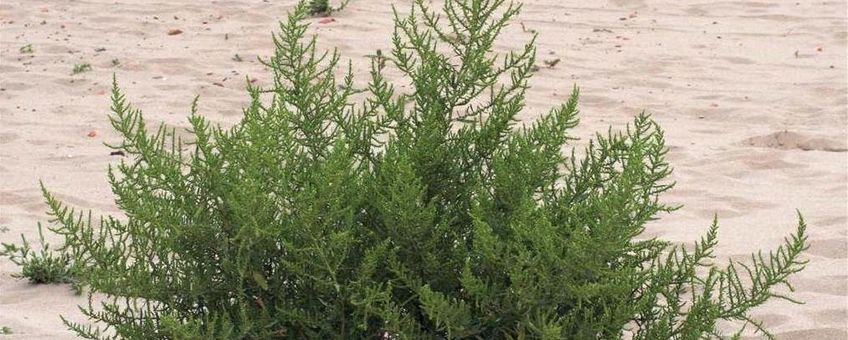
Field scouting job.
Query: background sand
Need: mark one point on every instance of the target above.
(752, 95)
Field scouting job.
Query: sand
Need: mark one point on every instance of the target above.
(752, 95)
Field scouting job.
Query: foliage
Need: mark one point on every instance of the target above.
(26, 49)
(80, 68)
(45, 266)
(419, 214)
(323, 7)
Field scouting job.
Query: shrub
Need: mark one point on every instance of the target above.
(420, 214)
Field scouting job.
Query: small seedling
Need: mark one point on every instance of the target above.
(323, 8)
(116, 62)
(45, 266)
(80, 68)
(5, 330)
(26, 49)
(237, 58)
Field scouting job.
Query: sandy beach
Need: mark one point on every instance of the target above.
(752, 95)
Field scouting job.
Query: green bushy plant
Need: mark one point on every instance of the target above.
(44, 266)
(80, 68)
(323, 7)
(419, 214)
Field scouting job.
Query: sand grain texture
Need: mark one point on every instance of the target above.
(752, 95)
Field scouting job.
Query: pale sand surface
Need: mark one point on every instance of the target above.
(752, 95)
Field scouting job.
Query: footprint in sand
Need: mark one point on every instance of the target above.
(8, 137)
(834, 248)
(787, 140)
(811, 334)
(831, 284)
